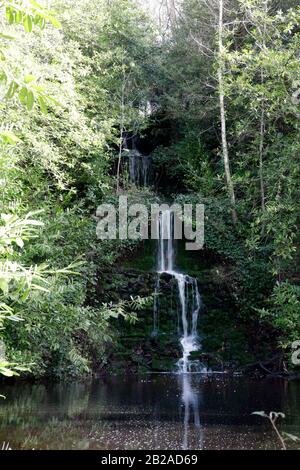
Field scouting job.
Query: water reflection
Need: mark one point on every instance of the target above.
(190, 400)
(159, 412)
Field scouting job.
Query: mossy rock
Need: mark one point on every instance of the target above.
(221, 340)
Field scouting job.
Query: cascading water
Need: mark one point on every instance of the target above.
(156, 307)
(139, 166)
(189, 313)
(165, 242)
(188, 293)
(139, 169)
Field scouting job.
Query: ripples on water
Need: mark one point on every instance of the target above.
(159, 411)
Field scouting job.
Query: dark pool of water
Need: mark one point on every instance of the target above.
(153, 412)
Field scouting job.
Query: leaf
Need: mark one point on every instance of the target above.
(7, 372)
(42, 23)
(42, 104)
(18, 17)
(3, 76)
(27, 23)
(4, 285)
(54, 22)
(22, 368)
(9, 138)
(6, 217)
(23, 95)
(19, 242)
(36, 5)
(25, 295)
(14, 318)
(275, 414)
(11, 89)
(9, 15)
(39, 288)
(53, 100)
(6, 36)
(30, 100)
(260, 413)
(35, 223)
(292, 437)
(29, 78)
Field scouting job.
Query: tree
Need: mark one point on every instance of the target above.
(15, 279)
(221, 70)
(262, 70)
(195, 94)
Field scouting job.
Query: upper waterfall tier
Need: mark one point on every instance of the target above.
(139, 168)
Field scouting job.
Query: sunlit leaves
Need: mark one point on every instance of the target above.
(284, 312)
(29, 93)
(27, 23)
(42, 103)
(6, 36)
(8, 137)
(10, 369)
(126, 308)
(12, 89)
(29, 14)
(13, 229)
(26, 97)
(4, 285)
(17, 281)
(29, 78)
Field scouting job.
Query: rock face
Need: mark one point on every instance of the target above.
(152, 344)
(142, 346)
(140, 172)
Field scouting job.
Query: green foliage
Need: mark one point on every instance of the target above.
(16, 281)
(60, 120)
(187, 160)
(61, 335)
(29, 14)
(261, 61)
(219, 234)
(284, 312)
(72, 88)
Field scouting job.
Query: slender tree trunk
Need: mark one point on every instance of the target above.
(121, 131)
(225, 153)
(120, 156)
(261, 153)
(262, 124)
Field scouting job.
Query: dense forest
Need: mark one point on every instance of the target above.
(209, 91)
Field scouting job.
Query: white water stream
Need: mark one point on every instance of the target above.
(188, 294)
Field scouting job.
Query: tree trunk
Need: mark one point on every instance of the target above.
(225, 153)
(119, 156)
(261, 151)
(121, 131)
(262, 124)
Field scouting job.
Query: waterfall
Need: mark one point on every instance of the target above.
(139, 165)
(139, 168)
(188, 294)
(165, 245)
(156, 307)
(190, 340)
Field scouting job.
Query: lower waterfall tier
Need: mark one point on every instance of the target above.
(141, 348)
